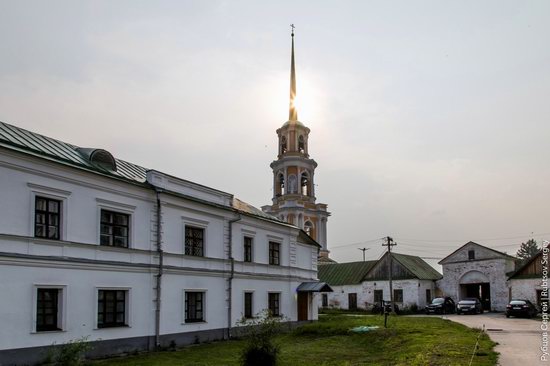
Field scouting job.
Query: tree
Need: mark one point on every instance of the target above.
(527, 250)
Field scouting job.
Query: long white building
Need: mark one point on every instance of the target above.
(132, 258)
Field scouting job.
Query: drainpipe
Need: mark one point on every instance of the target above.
(231, 275)
(160, 253)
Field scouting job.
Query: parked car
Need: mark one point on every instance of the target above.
(441, 305)
(469, 305)
(520, 307)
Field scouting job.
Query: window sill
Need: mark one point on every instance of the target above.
(192, 322)
(48, 331)
(112, 327)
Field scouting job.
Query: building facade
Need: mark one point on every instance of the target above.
(294, 198)
(360, 285)
(474, 270)
(132, 258)
(527, 282)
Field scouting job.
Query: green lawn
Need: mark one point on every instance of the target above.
(406, 341)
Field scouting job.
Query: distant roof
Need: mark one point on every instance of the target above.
(325, 260)
(417, 266)
(483, 246)
(21, 140)
(344, 273)
(517, 273)
(314, 287)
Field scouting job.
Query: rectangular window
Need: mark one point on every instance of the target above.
(274, 251)
(114, 229)
(398, 295)
(471, 254)
(248, 312)
(47, 218)
(247, 249)
(111, 308)
(428, 296)
(194, 241)
(194, 307)
(273, 304)
(325, 300)
(47, 309)
(378, 296)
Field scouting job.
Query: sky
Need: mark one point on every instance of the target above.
(429, 119)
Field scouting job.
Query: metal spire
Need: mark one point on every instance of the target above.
(293, 113)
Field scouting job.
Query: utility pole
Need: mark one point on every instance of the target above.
(364, 250)
(390, 243)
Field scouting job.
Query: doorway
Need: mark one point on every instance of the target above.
(482, 291)
(303, 304)
(352, 301)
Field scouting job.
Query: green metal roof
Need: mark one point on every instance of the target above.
(344, 273)
(19, 139)
(417, 266)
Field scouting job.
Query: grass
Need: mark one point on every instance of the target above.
(407, 341)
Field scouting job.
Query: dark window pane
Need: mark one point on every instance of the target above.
(111, 308)
(194, 307)
(47, 218)
(114, 229)
(47, 309)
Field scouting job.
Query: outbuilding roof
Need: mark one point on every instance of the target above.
(344, 273)
(417, 266)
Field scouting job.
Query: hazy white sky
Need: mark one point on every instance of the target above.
(429, 119)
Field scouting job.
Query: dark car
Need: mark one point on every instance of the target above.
(470, 305)
(521, 308)
(440, 305)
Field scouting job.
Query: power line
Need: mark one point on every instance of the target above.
(532, 234)
(358, 243)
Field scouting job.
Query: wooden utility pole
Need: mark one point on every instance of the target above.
(364, 250)
(390, 243)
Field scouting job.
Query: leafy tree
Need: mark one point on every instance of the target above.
(527, 250)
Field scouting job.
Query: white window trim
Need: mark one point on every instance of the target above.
(62, 307)
(123, 208)
(200, 224)
(53, 193)
(204, 303)
(128, 310)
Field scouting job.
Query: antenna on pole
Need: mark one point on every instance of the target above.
(363, 250)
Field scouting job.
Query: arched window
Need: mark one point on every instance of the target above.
(305, 184)
(283, 145)
(301, 144)
(308, 228)
(280, 185)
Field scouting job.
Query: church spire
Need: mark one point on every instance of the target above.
(293, 113)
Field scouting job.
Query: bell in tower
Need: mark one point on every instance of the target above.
(294, 173)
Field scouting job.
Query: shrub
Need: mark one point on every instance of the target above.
(260, 348)
(69, 354)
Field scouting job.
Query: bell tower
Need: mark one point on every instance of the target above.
(294, 198)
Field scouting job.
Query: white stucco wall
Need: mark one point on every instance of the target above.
(525, 288)
(79, 265)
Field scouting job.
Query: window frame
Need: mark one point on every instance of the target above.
(61, 316)
(127, 308)
(248, 249)
(395, 292)
(274, 260)
(324, 300)
(374, 294)
(192, 247)
(120, 208)
(248, 308)
(277, 301)
(471, 254)
(50, 193)
(125, 312)
(46, 212)
(128, 227)
(186, 319)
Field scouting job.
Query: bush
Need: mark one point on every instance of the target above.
(69, 354)
(260, 348)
